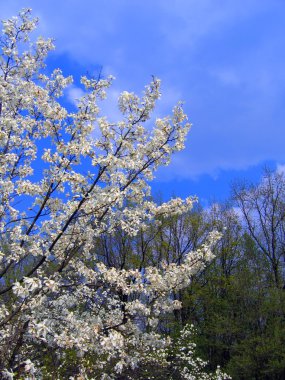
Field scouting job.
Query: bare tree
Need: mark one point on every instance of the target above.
(263, 208)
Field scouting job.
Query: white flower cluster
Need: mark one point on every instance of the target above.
(193, 367)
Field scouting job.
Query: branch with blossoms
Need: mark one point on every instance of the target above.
(55, 295)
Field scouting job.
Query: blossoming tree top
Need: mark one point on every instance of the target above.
(54, 294)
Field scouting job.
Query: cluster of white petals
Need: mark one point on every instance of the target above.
(193, 368)
(66, 178)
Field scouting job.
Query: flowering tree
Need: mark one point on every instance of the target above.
(66, 178)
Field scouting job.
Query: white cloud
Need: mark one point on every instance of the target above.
(196, 20)
(227, 76)
(74, 93)
(280, 168)
(109, 107)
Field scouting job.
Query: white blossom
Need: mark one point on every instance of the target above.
(92, 178)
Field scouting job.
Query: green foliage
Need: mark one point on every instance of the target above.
(239, 313)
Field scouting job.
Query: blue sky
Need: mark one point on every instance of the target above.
(225, 59)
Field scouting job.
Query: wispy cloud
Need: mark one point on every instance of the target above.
(74, 94)
(280, 168)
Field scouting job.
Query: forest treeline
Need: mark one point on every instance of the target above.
(237, 303)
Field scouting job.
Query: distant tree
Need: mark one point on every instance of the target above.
(263, 209)
(238, 311)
